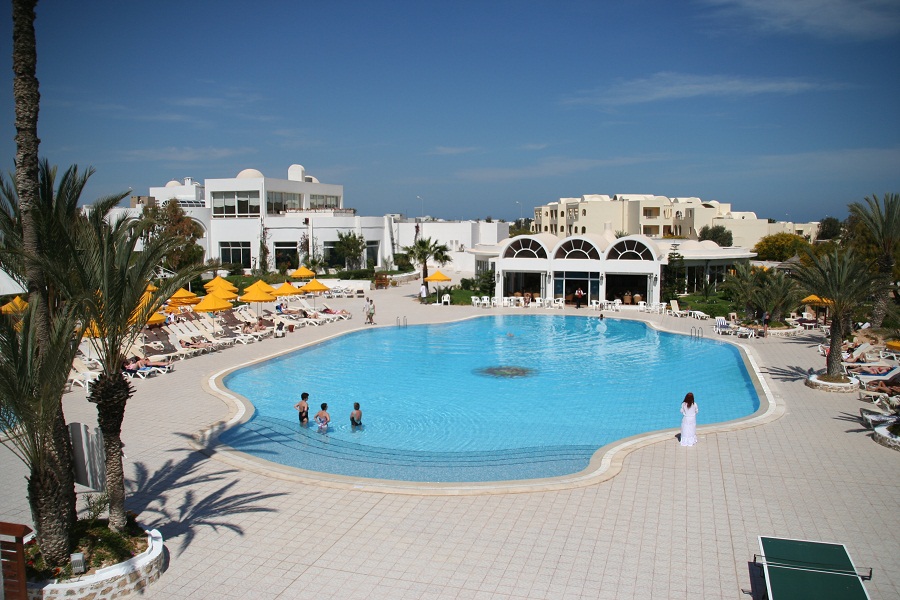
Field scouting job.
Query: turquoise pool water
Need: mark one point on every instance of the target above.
(433, 412)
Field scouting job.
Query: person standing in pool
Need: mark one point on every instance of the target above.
(355, 416)
(302, 409)
(323, 418)
(689, 411)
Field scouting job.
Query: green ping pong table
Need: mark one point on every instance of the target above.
(799, 569)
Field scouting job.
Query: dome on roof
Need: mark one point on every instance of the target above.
(249, 174)
(689, 245)
(709, 244)
(173, 183)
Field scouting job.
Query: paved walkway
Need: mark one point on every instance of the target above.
(674, 523)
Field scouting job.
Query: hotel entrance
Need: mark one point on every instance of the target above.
(566, 282)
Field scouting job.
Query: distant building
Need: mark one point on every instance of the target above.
(237, 213)
(656, 217)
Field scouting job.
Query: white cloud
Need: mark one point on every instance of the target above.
(860, 19)
(550, 167)
(185, 154)
(452, 150)
(674, 86)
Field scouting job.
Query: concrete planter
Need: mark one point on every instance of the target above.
(116, 581)
(814, 382)
(886, 438)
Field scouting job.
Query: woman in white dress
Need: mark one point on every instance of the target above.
(689, 420)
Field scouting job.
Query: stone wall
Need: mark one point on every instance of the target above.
(117, 581)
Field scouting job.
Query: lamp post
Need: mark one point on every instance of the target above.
(520, 212)
(423, 205)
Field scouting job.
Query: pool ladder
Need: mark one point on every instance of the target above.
(401, 323)
(697, 332)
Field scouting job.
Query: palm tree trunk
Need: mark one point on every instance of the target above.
(833, 361)
(111, 393)
(46, 494)
(882, 295)
(26, 93)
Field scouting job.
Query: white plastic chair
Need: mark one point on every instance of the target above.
(485, 301)
(445, 300)
(476, 301)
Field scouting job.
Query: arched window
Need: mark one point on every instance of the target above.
(630, 250)
(583, 229)
(525, 248)
(583, 212)
(578, 249)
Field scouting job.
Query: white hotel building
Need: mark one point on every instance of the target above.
(237, 213)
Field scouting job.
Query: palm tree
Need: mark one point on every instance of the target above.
(424, 250)
(774, 293)
(32, 379)
(52, 214)
(882, 220)
(109, 283)
(842, 280)
(740, 286)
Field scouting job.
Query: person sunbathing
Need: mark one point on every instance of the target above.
(870, 369)
(195, 343)
(284, 310)
(886, 386)
(331, 311)
(136, 364)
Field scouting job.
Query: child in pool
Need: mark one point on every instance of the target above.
(323, 418)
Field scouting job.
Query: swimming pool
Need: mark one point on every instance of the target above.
(493, 398)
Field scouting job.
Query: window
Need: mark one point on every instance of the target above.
(525, 248)
(578, 249)
(630, 250)
(279, 202)
(372, 252)
(235, 253)
(330, 256)
(286, 254)
(236, 204)
(320, 201)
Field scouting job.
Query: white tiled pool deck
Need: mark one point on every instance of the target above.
(673, 523)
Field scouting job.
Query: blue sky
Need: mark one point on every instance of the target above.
(790, 109)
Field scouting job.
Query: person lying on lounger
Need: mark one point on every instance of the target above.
(886, 386)
(870, 369)
(136, 364)
(282, 309)
(195, 343)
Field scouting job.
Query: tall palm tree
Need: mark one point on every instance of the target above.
(31, 383)
(882, 220)
(54, 212)
(843, 280)
(109, 282)
(424, 250)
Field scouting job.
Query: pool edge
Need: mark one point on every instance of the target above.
(606, 462)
